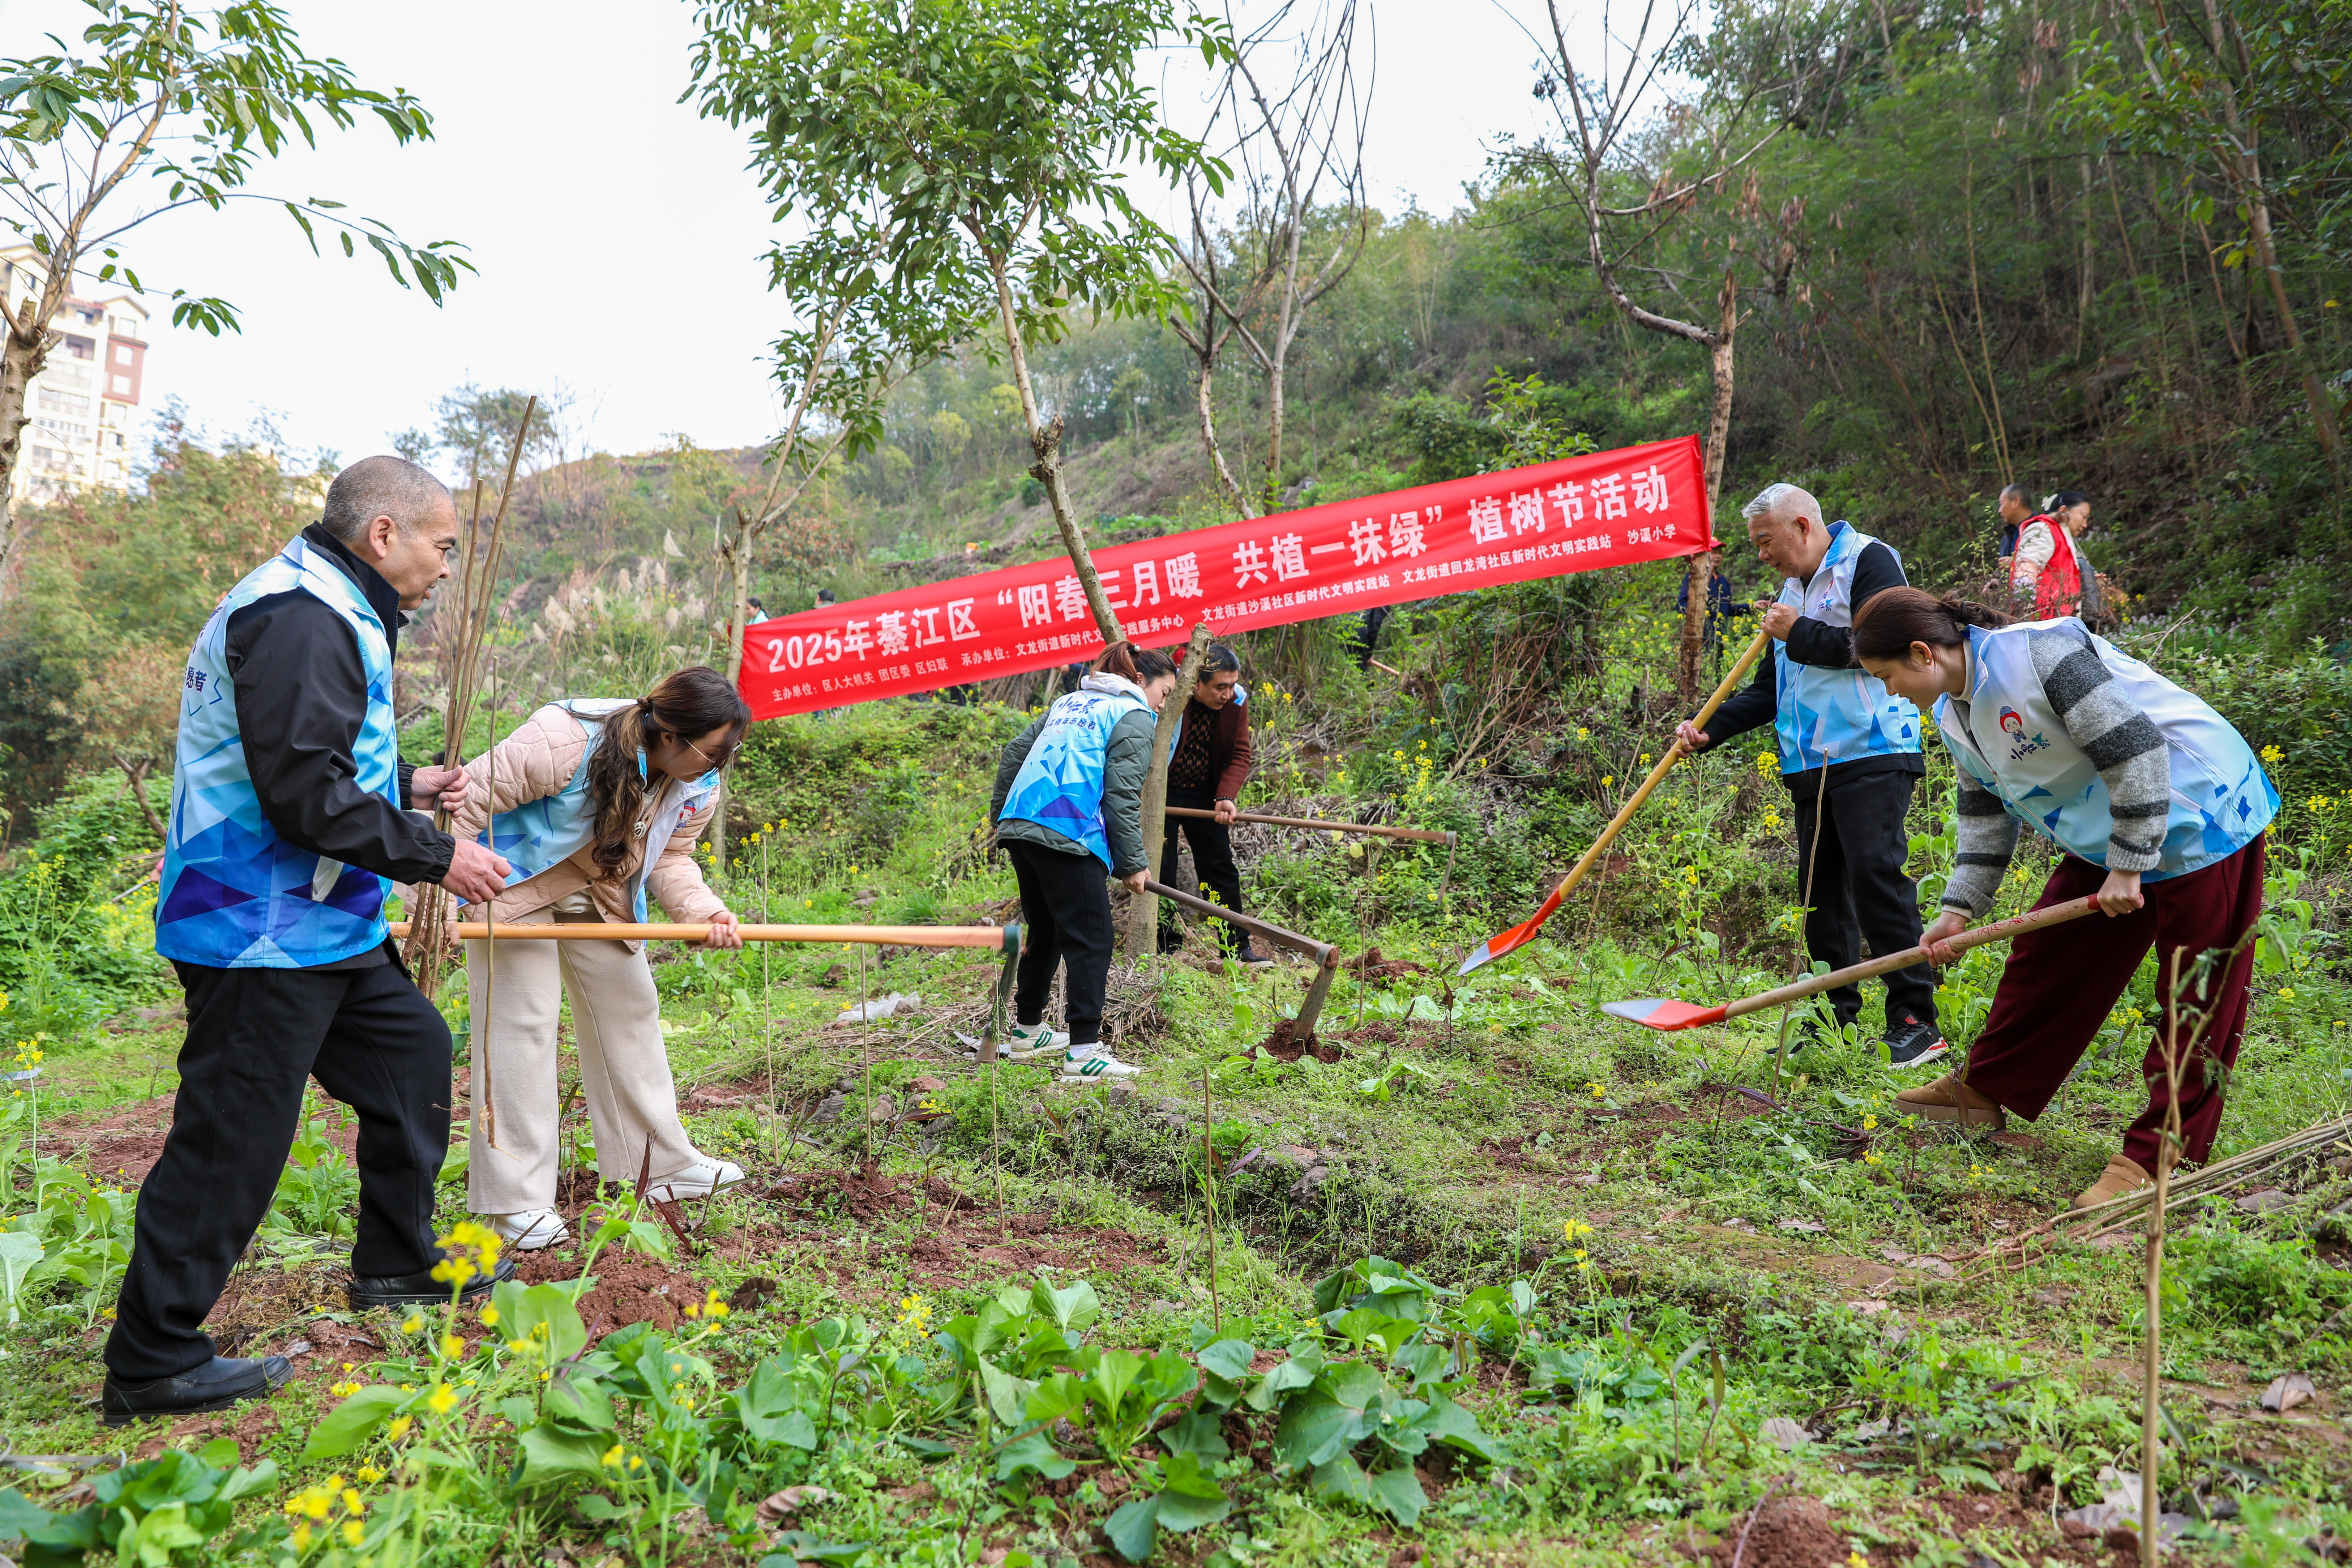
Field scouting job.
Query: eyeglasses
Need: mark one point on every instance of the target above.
(726, 753)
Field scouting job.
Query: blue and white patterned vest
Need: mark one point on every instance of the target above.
(235, 895)
(1060, 785)
(551, 829)
(2021, 752)
(1825, 715)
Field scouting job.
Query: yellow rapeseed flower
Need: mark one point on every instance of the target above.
(370, 1474)
(412, 1323)
(344, 1389)
(452, 1347)
(2271, 755)
(489, 1316)
(399, 1427)
(353, 1534)
(442, 1400)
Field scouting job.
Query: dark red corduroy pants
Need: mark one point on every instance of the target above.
(2060, 983)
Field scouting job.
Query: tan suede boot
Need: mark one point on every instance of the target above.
(2123, 1174)
(1949, 1100)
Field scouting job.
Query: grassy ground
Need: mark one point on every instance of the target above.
(1689, 1279)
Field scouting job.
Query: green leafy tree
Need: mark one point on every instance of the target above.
(972, 156)
(2234, 90)
(161, 101)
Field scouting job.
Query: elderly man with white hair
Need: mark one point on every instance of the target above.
(1849, 753)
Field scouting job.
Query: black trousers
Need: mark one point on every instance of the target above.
(255, 1037)
(1212, 857)
(1066, 901)
(1859, 887)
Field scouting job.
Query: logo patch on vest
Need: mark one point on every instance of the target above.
(2012, 724)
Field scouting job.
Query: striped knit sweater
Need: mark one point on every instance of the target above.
(2121, 742)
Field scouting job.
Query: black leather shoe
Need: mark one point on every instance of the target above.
(217, 1384)
(420, 1289)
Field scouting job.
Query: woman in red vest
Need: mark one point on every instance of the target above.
(2048, 568)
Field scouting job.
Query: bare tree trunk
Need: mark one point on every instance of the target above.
(1719, 430)
(1045, 441)
(136, 770)
(2243, 159)
(24, 349)
(1143, 909)
(1225, 479)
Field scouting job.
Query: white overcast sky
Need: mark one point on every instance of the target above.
(618, 237)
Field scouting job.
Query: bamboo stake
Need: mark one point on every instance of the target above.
(1502, 942)
(490, 935)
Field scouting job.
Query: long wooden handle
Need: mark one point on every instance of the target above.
(603, 931)
(1673, 755)
(1999, 931)
(1420, 834)
(1322, 952)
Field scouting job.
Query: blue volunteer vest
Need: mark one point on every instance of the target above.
(1823, 716)
(551, 829)
(2015, 745)
(1060, 785)
(234, 895)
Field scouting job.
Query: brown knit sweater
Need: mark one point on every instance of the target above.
(1212, 750)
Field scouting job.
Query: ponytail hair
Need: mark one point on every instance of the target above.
(689, 705)
(1892, 619)
(1141, 665)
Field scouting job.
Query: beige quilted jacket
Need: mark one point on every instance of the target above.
(538, 759)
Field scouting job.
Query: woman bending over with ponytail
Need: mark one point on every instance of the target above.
(1069, 812)
(598, 802)
(2159, 806)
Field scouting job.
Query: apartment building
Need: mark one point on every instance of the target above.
(83, 404)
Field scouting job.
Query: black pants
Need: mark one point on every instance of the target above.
(1212, 857)
(255, 1038)
(1066, 901)
(1859, 887)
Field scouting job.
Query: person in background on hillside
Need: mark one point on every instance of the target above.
(2049, 571)
(2016, 511)
(288, 823)
(1720, 606)
(1205, 772)
(754, 611)
(1068, 810)
(598, 802)
(2159, 806)
(1849, 753)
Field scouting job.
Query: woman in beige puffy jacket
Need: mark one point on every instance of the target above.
(598, 803)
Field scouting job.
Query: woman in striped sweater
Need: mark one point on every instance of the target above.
(2159, 806)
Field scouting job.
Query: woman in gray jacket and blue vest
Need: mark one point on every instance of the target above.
(2159, 806)
(1068, 810)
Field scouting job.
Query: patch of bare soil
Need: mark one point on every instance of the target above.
(630, 1288)
(1789, 1530)
(124, 1143)
(1371, 964)
(1285, 1046)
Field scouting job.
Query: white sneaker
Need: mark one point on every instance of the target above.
(699, 1180)
(530, 1229)
(1094, 1065)
(1027, 1044)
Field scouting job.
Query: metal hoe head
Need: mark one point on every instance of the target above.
(1664, 1013)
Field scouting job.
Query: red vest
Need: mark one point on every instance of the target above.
(2059, 590)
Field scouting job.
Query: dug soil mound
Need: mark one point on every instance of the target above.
(1787, 1531)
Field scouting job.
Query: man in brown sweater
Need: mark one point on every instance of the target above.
(1211, 765)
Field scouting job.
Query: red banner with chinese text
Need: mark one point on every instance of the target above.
(1579, 514)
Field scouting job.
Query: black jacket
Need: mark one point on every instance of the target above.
(301, 695)
(1832, 647)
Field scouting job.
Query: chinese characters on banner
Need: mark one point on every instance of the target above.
(1611, 508)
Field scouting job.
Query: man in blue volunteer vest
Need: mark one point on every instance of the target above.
(1849, 753)
(288, 816)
